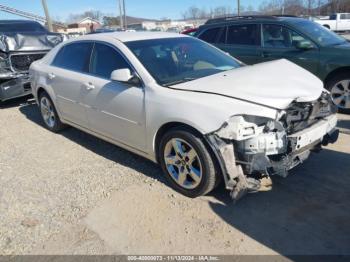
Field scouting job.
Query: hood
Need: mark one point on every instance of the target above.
(341, 47)
(274, 84)
(29, 41)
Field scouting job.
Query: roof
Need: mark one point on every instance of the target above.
(131, 36)
(251, 18)
(88, 18)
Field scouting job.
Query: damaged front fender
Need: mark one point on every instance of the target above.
(242, 145)
(251, 148)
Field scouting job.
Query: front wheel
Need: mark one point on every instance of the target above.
(188, 165)
(339, 87)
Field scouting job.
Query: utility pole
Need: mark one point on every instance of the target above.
(48, 19)
(125, 22)
(238, 8)
(121, 15)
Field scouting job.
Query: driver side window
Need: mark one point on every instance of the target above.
(281, 37)
(105, 59)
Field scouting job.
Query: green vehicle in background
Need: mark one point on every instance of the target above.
(256, 39)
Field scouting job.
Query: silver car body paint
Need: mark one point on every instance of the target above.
(132, 118)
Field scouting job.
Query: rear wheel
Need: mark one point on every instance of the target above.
(339, 87)
(188, 165)
(49, 113)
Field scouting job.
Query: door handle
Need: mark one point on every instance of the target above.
(89, 86)
(51, 76)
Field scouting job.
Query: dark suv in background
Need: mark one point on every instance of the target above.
(255, 39)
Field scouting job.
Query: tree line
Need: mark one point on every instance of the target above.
(268, 7)
(304, 7)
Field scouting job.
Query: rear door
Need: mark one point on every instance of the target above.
(67, 75)
(281, 42)
(242, 41)
(214, 35)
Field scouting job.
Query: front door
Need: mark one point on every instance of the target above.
(281, 42)
(114, 109)
(344, 22)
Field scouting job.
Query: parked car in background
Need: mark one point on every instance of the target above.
(336, 22)
(21, 43)
(190, 31)
(173, 29)
(102, 30)
(259, 39)
(186, 105)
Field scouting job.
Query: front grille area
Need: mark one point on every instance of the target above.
(21, 62)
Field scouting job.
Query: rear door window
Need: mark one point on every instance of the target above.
(211, 35)
(74, 57)
(105, 59)
(243, 35)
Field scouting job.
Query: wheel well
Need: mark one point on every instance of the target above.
(327, 26)
(40, 91)
(335, 72)
(165, 128)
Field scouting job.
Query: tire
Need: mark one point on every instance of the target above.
(49, 114)
(190, 162)
(340, 90)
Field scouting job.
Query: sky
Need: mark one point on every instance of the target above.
(156, 9)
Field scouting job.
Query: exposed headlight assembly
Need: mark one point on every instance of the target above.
(254, 134)
(242, 127)
(4, 61)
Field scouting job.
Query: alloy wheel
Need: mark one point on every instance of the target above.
(340, 93)
(183, 163)
(47, 112)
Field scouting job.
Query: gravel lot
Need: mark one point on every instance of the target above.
(71, 193)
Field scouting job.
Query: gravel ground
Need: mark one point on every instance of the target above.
(71, 193)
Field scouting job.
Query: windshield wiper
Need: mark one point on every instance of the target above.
(180, 81)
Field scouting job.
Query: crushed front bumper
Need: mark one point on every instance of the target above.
(301, 144)
(14, 87)
(244, 162)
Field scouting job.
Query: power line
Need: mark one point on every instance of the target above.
(31, 16)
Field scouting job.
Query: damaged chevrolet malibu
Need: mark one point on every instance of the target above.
(202, 115)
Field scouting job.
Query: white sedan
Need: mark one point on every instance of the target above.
(180, 102)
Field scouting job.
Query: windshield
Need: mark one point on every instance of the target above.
(21, 27)
(320, 34)
(176, 60)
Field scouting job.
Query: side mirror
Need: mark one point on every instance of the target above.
(305, 45)
(125, 76)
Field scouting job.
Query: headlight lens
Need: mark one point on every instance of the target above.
(242, 127)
